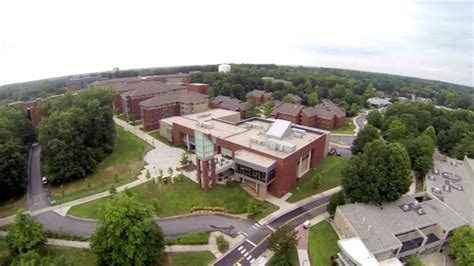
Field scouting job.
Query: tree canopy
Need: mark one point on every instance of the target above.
(24, 234)
(366, 135)
(381, 173)
(76, 133)
(127, 233)
(462, 245)
(282, 241)
(16, 133)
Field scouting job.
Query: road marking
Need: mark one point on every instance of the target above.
(245, 234)
(240, 248)
(252, 260)
(289, 221)
(249, 257)
(271, 228)
(252, 243)
(258, 225)
(243, 251)
(254, 227)
(246, 254)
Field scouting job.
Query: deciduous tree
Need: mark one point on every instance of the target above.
(462, 245)
(24, 234)
(283, 240)
(366, 135)
(313, 98)
(127, 234)
(375, 119)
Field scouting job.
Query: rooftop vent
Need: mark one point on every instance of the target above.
(436, 190)
(204, 115)
(405, 207)
(446, 189)
(205, 125)
(420, 211)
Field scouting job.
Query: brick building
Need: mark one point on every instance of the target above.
(199, 87)
(265, 155)
(326, 115)
(77, 83)
(171, 104)
(142, 91)
(229, 103)
(260, 96)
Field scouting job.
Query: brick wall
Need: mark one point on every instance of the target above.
(152, 116)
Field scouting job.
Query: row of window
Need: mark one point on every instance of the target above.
(255, 174)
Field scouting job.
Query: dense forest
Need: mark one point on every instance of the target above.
(16, 133)
(76, 133)
(345, 87)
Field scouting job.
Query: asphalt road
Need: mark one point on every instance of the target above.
(38, 199)
(256, 236)
(360, 121)
(342, 140)
(37, 193)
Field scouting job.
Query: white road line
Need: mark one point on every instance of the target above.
(254, 227)
(243, 251)
(246, 254)
(240, 248)
(245, 234)
(252, 260)
(258, 225)
(249, 257)
(252, 243)
(271, 228)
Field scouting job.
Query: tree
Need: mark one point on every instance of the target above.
(24, 234)
(316, 181)
(396, 131)
(430, 132)
(252, 208)
(13, 168)
(267, 108)
(462, 245)
(283, 240)
(381, 173)
(355, 108)
(336, 200)
(184, 159)
(127, 233)
(366, 135)
(375, 119)
(313, 98)
(33, 258)
(251, 107)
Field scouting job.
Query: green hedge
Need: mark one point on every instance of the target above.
(207, 208)
(190, 239)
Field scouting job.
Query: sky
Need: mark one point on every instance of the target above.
(427, 39)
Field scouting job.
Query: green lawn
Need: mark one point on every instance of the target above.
(117, 169)
(71, 256)
(348, 128)
(9, 207)
(187, 258)
(156, 135)
(179, 198)
(330, 170)
(322, 244)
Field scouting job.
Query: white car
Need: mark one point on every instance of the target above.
(306, 224)
(44, 180)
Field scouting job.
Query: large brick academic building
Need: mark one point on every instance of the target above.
(266, 155)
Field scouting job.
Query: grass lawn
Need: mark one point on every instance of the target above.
(179, 198)
(156, 135)
(330, 170)
(293, 258)
(71, 256)
(117, 169)
(322, 244)
(348, 128)
(11, 206)
(187, 258)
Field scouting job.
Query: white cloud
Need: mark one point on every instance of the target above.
(40, 39)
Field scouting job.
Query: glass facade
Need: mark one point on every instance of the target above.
(255, 174)
(204, 146)
(226, 153)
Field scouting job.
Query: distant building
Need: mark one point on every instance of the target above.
(379, 102)
(32, 109)
(265, 155)
(224, 68)
(326, 115)
(229, 103)
(275, 81)
(414, 225)
(260, 96)
(295, 98)
(171, 104)
(199, 87)
(77, 83)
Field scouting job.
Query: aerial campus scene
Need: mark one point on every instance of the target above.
(237, 133)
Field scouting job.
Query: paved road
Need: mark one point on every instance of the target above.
(345, 152)
(343, 140)
(38, 199)
(256, 236)
(37, 193)
(360, 121)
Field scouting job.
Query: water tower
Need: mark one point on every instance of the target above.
(225, 68)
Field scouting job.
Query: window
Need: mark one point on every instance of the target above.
(226, 153)
(255, 174)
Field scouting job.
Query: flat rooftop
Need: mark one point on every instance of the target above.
(249, 133)
(377, 227)
(453, 182)
(254, 158)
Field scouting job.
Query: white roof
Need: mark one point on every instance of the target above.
(357, 251)
(279, 129)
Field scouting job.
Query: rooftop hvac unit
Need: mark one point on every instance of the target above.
(204, 115)
(255, 126)
(299, 131)
(297, 135)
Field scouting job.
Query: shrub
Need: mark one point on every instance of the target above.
(155, 204)
(207, 208)
(222, 244)
(190, 239)
(252, 208)
(316, 181)
(112, 190)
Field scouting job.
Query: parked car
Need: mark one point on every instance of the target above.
(306, 224)
(332, 151)
(44, 180)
